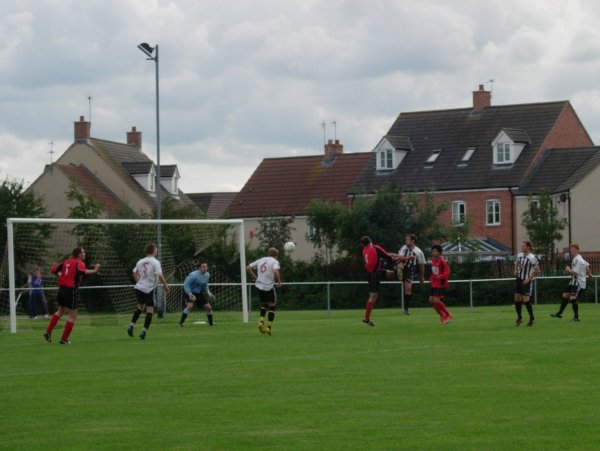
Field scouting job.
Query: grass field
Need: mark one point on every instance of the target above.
(317, 383)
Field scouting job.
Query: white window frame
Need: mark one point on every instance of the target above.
(385, 159)
(503, 153)
(459, 217)
(493, 212)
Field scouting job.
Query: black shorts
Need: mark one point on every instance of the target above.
(408, 274)
(67, 297)
(575, 291)
(267, 297)
(201, 298)
(374, 279)
(437, 292)
(522, 289)
(146, 299)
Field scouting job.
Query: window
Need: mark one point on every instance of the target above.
(459, 212)
(386, 159)
(492, 208)
(433, 157)
(503, 153)
(467, 156)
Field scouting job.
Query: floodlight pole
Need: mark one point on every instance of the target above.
(152, 54)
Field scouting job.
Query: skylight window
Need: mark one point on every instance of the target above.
(433, 157)
(467, 156)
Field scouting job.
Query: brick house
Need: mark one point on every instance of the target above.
(283, 187)
(487, 160)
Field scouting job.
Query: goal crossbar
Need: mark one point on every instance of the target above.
(10, 222)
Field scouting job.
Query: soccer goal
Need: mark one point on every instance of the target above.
(117, 244)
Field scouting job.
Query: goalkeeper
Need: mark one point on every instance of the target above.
(195, 290)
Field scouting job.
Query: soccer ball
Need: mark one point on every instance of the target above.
(289, 246)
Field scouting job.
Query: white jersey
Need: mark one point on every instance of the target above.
(416, 254)
(579, 265)
(148, 269)
(265, 272)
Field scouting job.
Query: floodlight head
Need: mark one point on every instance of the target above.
(147, 49)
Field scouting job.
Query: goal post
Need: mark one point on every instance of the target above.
(139, 233)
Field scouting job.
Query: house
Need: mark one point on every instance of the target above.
(118, 175)
(486, 160)
(284, 187)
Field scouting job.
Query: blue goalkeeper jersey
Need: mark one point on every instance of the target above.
(196, 282)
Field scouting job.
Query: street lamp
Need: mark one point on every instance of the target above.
(152, 54)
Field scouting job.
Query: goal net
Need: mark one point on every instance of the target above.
(117, 244)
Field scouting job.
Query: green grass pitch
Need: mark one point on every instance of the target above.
(318, 383)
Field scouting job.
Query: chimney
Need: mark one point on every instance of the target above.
(481, 99)
(82, 130)
(332, 149)
(134, 138)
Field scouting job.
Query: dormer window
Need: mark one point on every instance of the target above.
(390, 152)
(503, 154)
(432, 158)
(508, 146)
(385, 159)
(467, 156)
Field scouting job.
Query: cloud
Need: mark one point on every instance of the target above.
(246, 80)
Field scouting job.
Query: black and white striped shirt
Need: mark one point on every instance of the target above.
(525, 265)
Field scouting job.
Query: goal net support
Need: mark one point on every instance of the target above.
(117, 244)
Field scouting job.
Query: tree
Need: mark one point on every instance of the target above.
(542, 223)
(322, 218)
(16, 202)
(274, 231)
(388, 216)
(89, 236)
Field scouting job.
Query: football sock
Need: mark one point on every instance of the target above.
(209, 315)
(136, 316)
(263, 312)
(184, 315)
(438, 308)
(147, 320)
(576, 309)
(563, 306)
(67, 330)
(529, 310)
(519, 308)
(271, 317)
(369, 309)
(52, 324)
(444, 309)
(407, 299)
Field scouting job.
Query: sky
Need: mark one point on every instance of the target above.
(245, 80)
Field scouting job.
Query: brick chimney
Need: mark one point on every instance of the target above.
(481, 99)
(332, 149)
(82, 130)
(134, 138)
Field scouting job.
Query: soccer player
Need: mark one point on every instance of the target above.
(147, 273)
(266, 278)
(412, 259)
(578, 270)
(526, 269)
(70, 274)
(373, 255)
(440, 273)
(195, 289)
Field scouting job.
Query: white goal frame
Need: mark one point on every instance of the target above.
(239, 223)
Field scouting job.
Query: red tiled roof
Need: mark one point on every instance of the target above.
(285, 186)
(89, 184)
